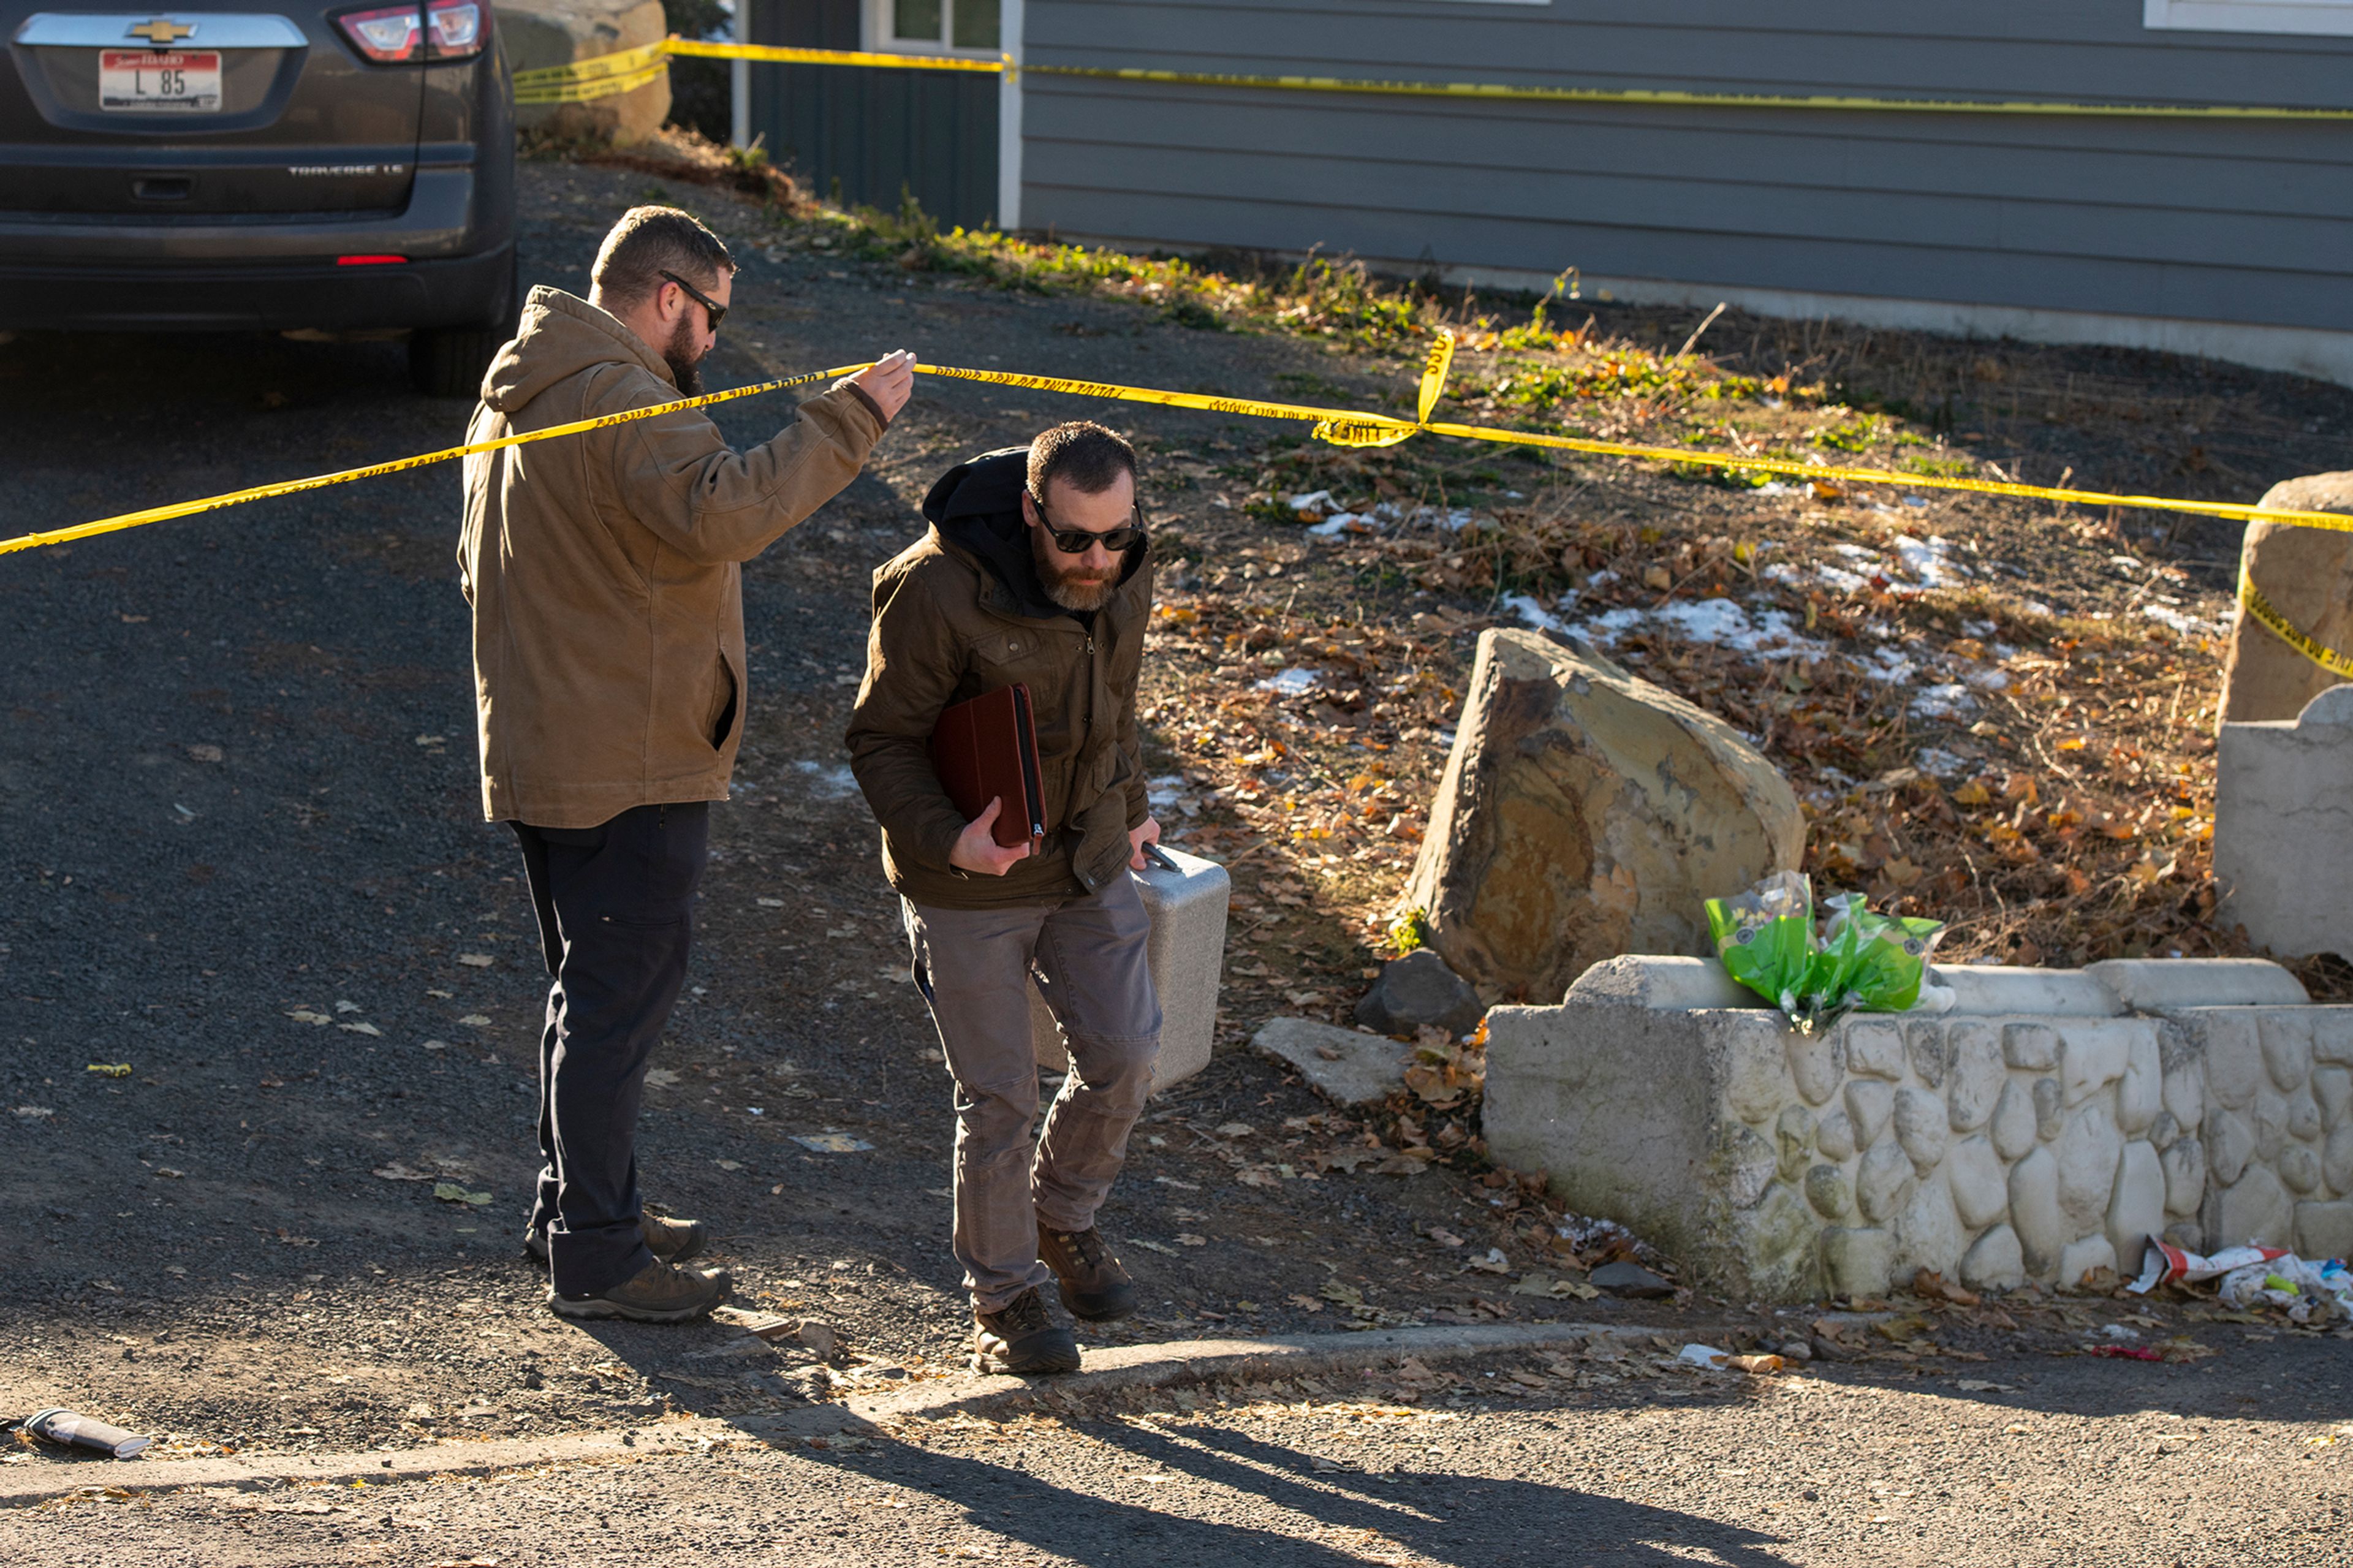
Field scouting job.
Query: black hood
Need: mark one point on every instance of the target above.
(977, 505)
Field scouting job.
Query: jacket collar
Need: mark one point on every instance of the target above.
(1120, 611)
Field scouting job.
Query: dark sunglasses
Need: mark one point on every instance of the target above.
(1078, 540)
(712, 309)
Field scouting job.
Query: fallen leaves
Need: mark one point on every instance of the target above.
(453, 1193)
(476, 960)
(396, 1172)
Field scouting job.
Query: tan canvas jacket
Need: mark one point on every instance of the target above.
(604, 569)
(944, 629)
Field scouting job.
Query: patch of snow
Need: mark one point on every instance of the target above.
(1844, 582)
(1777, 488)
(1343, 522)
(2182, 621)
(1886, 664)
(1988, 679)
(1718, 622)
(1916, 501)
(1938, 762)
(1601, 579)
(1949, 699)
(1296, 681)
(1317, 503)
(1526, 608)
(837, 780)
(1780, 572)
(1978, 628)
(1930, 560)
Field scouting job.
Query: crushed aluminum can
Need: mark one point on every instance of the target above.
(67, 1429)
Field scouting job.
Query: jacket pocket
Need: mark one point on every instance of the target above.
(719, 714)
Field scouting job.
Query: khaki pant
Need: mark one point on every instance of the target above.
(975, 968)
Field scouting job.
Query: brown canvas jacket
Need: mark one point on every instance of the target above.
(944, 630)
(604, 569)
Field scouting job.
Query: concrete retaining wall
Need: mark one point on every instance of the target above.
(2049, 1125)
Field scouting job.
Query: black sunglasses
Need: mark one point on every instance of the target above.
(1078, 540)
(712, 309)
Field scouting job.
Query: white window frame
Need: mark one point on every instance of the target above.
(882, 41)
(2332, 19)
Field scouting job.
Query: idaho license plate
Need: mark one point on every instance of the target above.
(151, 81)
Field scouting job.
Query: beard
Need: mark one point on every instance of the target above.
(1076, 589)
(685, 363)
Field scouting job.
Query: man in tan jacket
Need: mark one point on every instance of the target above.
(604, 574)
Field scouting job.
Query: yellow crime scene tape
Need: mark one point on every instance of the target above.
(1338, 427)
(627, 68)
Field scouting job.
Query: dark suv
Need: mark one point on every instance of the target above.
(333, 167)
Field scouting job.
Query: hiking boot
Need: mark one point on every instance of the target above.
(660, 1293)
(1023, 1339)
(669, 1240)
(1093, 1285)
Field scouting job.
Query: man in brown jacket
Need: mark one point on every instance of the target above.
(1037, 572)
(604, 569)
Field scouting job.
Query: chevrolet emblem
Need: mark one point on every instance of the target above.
(161, 30)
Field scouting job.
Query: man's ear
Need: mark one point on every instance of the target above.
(1028, 508)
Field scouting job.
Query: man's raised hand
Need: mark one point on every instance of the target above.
(978, 851)
(888, 381)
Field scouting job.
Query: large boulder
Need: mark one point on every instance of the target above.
(1587, 813)
(543, 33)
(2307, 573)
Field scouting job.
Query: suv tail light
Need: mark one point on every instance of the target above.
(405, 34)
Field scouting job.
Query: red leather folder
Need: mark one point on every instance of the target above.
(986, 750)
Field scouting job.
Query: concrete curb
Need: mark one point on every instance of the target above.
(1108, 1371)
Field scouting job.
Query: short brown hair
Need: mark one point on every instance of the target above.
(1083, 455)
(650, 241)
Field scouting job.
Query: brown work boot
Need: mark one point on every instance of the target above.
(1022, 1339)
(1094, 1285)
(669, 1240)
(658, 1293)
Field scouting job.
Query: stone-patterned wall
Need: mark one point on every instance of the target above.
(1996, 1148)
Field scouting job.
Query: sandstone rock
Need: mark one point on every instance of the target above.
(1829, 1193)
(541, 33)
(1879, 1185)
(1418, 990)
(2093, 1055)
(1835, 1135)
(2081, 1256)
(1979, 1195)
(2332, 1090)
(1858, 1262)
(1344, 1066)
(1817, 1063)
(2229, 1144)
(2286, 1040)
(1929, 1232)
(2337, 1161)
(2255, 1210)
(2013, 1128)
(2307, 576)
(2032, 1048)
(2034, 1213)
(2234, 1059)
(2137, 1207)
(1977, 1075)
(1868, 1106)
(2049, 1108)
(1919, 1121)
(1586, 813)
(2088, 1152)
(2324, 1230)
(1875, 1048)
(2140, 1098)
(1994, 1261)
(1931, 1052)
(2184, 1163)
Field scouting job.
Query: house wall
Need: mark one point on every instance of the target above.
(2045, 220)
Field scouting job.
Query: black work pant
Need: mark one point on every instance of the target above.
(615, 919)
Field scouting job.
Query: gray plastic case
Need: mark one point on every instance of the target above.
(1185, 897)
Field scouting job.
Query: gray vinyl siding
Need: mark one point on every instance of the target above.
(2240, 222)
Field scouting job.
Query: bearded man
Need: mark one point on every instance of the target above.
(604, 570)
(1036, 571)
